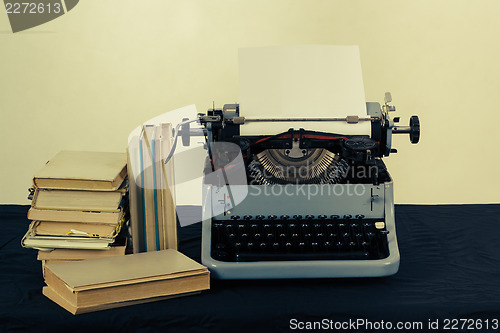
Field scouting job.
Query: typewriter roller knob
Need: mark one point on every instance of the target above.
(414, 129)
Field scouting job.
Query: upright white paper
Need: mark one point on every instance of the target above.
(303, 81)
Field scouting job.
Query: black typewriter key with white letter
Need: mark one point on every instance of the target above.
(309, 217)
(299, 239)
(297, 217)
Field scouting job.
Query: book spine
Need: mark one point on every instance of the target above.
(157, 232)
(141, 163)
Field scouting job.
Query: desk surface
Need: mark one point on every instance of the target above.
(450, 269)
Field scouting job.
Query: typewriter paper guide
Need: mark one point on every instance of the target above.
(303, 81)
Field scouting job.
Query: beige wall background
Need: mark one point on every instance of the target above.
(86, 79)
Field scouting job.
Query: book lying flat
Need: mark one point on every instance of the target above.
(50, 228)
(108, 282)
(64, 242)
(55, 297)
(77, 254)
(83, 170)
(75, 216)
(77, 200)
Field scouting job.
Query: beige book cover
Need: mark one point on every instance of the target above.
(55, 297)
(148, 188)
(118, 270)
(168, 211)
(77, 200)
(42, 242)
(135, 204)
(74, 229)
(111, 218)
(142, 277)
(83, 170)
(78, 254)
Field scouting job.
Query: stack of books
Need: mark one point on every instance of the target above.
(105, 283)
(79, 206)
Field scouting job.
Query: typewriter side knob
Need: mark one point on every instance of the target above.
(414, 129)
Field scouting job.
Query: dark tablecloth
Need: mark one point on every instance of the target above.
(450, 271)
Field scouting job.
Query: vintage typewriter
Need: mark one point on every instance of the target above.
(299, 204)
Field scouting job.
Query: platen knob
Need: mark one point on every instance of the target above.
(414, 129)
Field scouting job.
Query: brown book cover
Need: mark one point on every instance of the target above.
(83, 170)
(78, 254)
(107, 282)
(47, 228)
(58, 215)
(96, 201)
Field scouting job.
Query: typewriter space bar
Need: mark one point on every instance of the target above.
(351, 255)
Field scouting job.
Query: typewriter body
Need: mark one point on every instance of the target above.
(310, 204)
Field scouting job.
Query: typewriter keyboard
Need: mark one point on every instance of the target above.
(273, 238)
